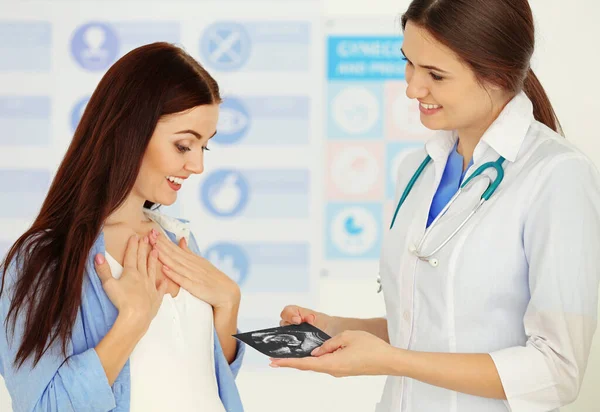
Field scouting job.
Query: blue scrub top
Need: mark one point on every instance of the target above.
(451, 181)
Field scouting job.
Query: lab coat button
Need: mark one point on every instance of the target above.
(407, 316)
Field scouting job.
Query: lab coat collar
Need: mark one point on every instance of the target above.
(505, 135)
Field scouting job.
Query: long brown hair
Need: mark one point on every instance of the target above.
(93, 180)
(494, 37)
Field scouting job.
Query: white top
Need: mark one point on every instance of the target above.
(519, 281)
(173, 367)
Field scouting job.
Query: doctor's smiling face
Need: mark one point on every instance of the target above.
(175, 152)
(449, 94)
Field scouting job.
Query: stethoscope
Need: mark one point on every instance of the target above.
(492, 186)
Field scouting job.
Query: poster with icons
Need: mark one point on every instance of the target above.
(370, 124)
(253, 210)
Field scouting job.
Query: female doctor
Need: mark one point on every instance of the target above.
(492, 310)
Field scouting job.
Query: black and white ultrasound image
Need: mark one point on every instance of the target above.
(292, 341)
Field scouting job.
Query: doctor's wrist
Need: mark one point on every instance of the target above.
(396, 362)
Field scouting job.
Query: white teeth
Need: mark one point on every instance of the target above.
(430, 106)
(177, 180)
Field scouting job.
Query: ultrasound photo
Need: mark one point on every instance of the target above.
(292, 341)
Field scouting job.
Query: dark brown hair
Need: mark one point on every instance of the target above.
(94, 178)
(494, 37)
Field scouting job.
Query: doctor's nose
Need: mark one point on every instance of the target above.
(415, 88)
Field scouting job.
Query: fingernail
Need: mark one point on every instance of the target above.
(166, 267)
(273, 365)
(154, 232)
(315, 351)
(99, 259)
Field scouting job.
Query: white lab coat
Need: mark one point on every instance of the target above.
(519, 281)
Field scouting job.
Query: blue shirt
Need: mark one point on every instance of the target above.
(451, 181)
(81, 383)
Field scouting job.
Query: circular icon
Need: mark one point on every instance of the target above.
(229, 259)
(225, 193)
(354, 170)
(225, 46)
(355, 109)
(77, 111)
(354, 230)
(234, 121)
(406, 114)
(95, 46)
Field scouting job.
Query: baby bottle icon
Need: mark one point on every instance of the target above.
(226, 196)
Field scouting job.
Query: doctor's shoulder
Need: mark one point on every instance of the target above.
(406, 162)
(557, 165)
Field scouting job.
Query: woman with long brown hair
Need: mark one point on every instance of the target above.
(105, 302)
(489, 269)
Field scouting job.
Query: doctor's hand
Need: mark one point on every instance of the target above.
(351, 353)
(195, 274)
(295, 315)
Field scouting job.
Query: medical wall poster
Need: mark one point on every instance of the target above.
(370, 123)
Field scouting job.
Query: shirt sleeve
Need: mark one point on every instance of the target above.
(240, 347)
(54, 384)
(236, 365)
(561, 240)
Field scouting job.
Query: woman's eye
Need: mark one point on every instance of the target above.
(182, 148)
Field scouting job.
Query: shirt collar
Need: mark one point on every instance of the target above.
(178, 227)
(505, 135)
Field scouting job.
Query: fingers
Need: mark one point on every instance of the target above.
(131, 252)
(296, 315)
(177, 278)
(329, 346)
(167, 259)
(165, 244)
(303, 364)
(102, 268)
(153, 265)
(142, 256)
(172, 255)
(183, 244)
(162, 288)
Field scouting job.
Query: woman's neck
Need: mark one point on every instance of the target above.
(130, 213)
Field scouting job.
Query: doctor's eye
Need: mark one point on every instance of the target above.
(436, 77)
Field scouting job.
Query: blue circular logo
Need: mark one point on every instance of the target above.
(234, 121)
(225, 46)
(95, 46)
(225, 193)
(229, 259)
(77, 111)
